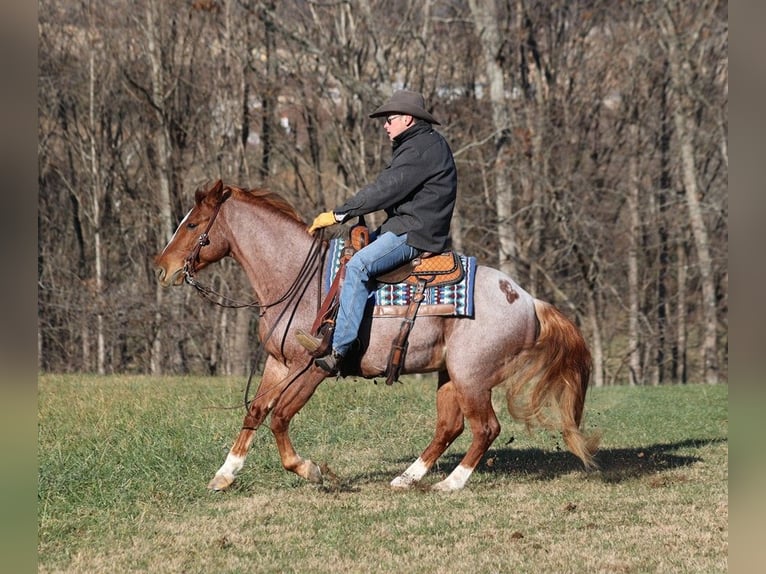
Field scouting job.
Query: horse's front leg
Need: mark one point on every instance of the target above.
(292, 401)
(274, 374)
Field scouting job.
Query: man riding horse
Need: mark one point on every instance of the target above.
(417, 190)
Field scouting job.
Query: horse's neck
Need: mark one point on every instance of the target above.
(270, 248)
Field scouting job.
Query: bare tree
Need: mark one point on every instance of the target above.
(680, 48)
(590, 141)
(486, 19)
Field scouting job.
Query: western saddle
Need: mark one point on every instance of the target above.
(425, 271)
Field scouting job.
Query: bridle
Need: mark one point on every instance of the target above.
(190, 263)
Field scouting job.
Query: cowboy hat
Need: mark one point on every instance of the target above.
(405, 102)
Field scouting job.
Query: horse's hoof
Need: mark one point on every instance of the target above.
(312, 472)
(219, 483)
(402, 481)
(446, 486)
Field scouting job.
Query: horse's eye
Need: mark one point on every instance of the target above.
(191, 225)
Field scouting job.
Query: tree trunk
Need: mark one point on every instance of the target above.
(534, 174)
(699, 232)
(683, 120)
(268, 98)
(679, 353)
(485, 16)
(162, 176)
(634, 240)
(241, 345)
(96, 185)
(597, 344)
(663, 239)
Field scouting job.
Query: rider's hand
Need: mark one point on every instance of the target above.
(324, 219)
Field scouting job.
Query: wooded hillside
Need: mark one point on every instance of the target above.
(590, 137)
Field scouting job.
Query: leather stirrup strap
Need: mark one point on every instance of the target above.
(331, 299)
(359, 237)
(399, 346)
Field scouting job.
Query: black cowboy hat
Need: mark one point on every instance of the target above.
(405, 102)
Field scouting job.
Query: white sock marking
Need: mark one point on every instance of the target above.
(413, 474)
(231, 466)
(456, 480)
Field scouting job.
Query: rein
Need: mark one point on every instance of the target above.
(301, 281)
(294, 291)
(190, 264)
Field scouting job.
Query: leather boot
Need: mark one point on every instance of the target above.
(330, 363)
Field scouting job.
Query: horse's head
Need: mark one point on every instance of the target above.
(197, 242)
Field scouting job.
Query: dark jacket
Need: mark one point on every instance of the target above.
(418, 190)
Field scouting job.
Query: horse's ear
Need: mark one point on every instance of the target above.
(218, 193)
(208, 189)
(216, 189)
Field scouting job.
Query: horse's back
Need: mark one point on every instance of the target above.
(503, 323)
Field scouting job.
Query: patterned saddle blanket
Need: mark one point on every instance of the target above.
(454, 300)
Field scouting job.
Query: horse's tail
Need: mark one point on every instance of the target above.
(547, 382)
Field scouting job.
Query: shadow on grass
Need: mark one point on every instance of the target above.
(615, 464)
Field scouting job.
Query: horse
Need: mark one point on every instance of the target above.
(512, 339)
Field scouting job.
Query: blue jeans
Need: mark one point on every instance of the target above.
(383, 254)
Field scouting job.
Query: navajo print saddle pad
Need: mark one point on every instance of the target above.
(392, 300)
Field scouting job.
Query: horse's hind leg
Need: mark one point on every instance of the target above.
(477, 408)
(449, 425)
(273, 374)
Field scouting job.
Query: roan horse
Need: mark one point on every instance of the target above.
(513, 339)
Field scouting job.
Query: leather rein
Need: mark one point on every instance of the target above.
(295, 290)
(190, 265)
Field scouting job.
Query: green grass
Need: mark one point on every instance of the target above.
(124, 463)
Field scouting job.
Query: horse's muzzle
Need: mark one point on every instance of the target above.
(166, 280)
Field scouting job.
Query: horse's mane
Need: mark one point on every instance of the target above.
(268, 198)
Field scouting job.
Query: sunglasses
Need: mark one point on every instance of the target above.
(389, 118)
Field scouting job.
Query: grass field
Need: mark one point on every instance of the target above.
(124, 463)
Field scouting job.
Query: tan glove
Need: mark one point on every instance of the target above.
(324, 219)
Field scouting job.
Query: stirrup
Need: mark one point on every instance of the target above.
(316, 346)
